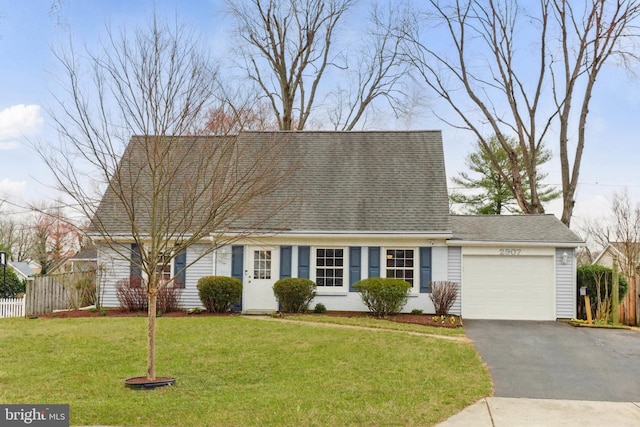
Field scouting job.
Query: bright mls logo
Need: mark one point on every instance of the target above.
(34, 415)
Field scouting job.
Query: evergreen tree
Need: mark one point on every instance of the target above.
(484, 190)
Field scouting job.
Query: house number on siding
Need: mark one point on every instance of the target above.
(510, 252)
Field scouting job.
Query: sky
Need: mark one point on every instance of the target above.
(29, 29)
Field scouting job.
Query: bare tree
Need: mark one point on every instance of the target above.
(494, 77)
(287, 50)
(16, 236)
(288, 47)
(164, 192)
(54, 237)
(621, 228)
(379, 71)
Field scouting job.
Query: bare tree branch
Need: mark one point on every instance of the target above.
(492, 78)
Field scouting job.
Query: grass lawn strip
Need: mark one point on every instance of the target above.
(349, 323)
(236, 371)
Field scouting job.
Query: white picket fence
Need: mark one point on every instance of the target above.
(11, 307)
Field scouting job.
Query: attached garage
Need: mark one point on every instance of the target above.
(508, 287)
(516, 267)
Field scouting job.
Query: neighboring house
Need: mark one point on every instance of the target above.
(629, 313)
(375, 204)
(85, 260)
(23, 270)
(617, 250)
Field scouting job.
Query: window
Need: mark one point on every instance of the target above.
(164, 271)
(262, 264)
(329, 267)
(400, 264)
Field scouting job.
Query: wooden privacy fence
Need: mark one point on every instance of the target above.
(59, 292)
(629, 305)
(11, 307)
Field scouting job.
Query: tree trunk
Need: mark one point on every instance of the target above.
(151, 332)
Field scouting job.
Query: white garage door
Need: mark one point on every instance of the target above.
(508, 287)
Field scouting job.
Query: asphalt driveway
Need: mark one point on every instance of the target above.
(553, 360)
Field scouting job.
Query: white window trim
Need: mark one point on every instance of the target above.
(331, 290)
(171, 267)
(415, 289)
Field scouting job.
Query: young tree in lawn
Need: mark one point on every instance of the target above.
(122, 125)
(289, 45)
(523, 71)
(489, 193)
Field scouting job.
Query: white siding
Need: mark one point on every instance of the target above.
(439, 263)
(223, 262)
(565, 284)
(455, 275)
(115, 268)
(202, 267)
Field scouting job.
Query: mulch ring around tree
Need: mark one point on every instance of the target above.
(448, 321)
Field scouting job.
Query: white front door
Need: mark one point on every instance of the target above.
(261, 273)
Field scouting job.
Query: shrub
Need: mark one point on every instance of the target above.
(598, 280)
(86, 287)
(416, 311)
(294, 294)
(168, 298)
(589, 275)
(15, 286)
(443, 295)
(132, 294)
(383, 297)
(320, 308)
(219, 293)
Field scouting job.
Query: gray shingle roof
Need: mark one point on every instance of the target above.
(390, 181)
(512, 228)
(23, 267)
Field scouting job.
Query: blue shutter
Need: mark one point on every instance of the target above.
(179, 271)
(285, 262)
(374, 262)
(237, 266)
(425, 270)
(304, 255)
(354, 266)
(134, 266)
(237, 262)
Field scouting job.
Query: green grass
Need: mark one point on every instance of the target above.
(370, 322)
(237, 371)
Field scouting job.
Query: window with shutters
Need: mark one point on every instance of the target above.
(401, 264)
(330, 266)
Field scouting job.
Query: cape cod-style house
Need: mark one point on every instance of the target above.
(375, 204)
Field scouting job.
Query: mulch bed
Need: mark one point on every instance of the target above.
(450, 321)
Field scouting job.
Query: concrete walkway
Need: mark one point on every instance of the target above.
(509, 412)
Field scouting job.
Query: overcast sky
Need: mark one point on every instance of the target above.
(29, 29)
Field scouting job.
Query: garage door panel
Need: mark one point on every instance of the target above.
(499, 287)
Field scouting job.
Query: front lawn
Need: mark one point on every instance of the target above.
(237, 371)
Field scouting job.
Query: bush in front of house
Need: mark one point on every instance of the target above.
(132, 294)
(219, 293)
(294, 294)
(320, 308)
(383, 296)
(169, 298)
(443, 295)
